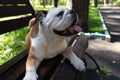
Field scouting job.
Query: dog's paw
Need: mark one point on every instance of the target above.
(78, 64)
(30, 76)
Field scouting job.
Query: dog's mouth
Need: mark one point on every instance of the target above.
(71, 30)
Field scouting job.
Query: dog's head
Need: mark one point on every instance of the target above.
(60, 21)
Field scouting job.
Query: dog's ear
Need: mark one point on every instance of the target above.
(32, 22)
(40, 15)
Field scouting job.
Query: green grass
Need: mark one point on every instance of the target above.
(104, 70)
(95, 24)
(11, 44)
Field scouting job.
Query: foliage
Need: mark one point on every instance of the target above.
(62, 2)
(95, 24)
(117, 3)
(11, 44)
(104, 70)
(48, 4)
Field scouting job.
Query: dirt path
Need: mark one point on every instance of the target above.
(108, 53)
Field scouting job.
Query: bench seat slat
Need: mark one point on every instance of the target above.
(14, 24)
(65, 71)
(80, 45)
(14, 67)
(14, 1)
(7, 11)
(47, 67)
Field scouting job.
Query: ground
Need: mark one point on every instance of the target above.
(106, 53)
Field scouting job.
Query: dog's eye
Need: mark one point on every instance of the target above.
(60, 13)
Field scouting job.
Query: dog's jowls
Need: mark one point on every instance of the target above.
(47, 38)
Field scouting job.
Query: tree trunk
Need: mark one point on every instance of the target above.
(36, 2)
(50, 2)
(69, 4)
(106, 2)
(44, 3)
(82, 8)
(55, 3)
(95, 3)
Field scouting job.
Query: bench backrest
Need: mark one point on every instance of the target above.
(14, 14)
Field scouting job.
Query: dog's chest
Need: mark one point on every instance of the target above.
(55, 49)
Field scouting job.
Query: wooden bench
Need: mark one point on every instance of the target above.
(19, 12)
(57, 68)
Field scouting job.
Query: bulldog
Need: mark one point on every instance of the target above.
(48, 37)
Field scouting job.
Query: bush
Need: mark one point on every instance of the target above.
(12, 43)
(117, 3)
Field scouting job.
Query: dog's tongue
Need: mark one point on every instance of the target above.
(74, 28)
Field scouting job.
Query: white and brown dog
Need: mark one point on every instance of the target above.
(47, 38)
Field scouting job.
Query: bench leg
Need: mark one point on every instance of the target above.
(76, 61)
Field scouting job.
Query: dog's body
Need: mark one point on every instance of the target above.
(47, 38)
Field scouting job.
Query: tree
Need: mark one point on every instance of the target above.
(106, 2)
(95, 3)
(82, 9)
(44, 3)
(55, 3)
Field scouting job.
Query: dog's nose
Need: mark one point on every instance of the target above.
(74, 14)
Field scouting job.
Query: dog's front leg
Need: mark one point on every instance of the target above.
(31, 66)
(76, 61)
